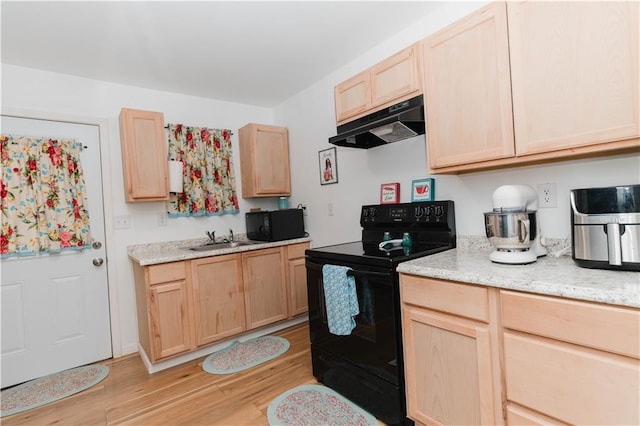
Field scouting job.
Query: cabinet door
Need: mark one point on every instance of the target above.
(571, 383)
(298, 303)
(169, 318)
(144, 155)
(447, 369)
(264, 156)
(218, 301)
(265, 286)
(352, 97)
(395, 77)
(574, 70)
(297, 279)
(468, 101)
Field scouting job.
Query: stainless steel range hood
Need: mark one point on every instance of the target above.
(400, 121)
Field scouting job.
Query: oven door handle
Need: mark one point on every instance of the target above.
(353, 272)
(367, 274)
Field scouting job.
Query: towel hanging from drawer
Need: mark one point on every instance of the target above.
(341, 299)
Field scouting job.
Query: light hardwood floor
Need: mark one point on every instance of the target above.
(182, 395)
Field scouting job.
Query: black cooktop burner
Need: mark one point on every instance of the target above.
(359, 252)
(431, 226)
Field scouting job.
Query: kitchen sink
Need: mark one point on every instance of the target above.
(222, 245)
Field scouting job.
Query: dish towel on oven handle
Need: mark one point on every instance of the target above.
(341, 299)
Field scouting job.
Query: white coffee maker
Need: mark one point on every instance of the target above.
(512, 226)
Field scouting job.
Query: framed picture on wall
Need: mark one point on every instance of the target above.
(328, 166)
(390, 193)
(423, 190)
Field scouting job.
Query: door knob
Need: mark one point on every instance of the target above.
(98, 261)
(96, 245)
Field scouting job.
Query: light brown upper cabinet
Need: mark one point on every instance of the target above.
(144, 155)
(264, 161)
(468, 91)
(574, 73)
(353, 97)
(395, 79)
(564, 73)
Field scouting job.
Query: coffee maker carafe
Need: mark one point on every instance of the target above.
(512, 226)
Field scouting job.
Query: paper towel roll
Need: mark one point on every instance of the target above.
(175, 176)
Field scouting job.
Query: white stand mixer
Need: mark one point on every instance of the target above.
(512, 225)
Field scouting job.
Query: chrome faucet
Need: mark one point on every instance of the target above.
(230, 235)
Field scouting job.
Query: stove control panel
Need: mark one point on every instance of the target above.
(423, 212)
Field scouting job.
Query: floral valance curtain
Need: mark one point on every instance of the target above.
(44, 204)
(209, 184)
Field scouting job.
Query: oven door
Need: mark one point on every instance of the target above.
(373, 344)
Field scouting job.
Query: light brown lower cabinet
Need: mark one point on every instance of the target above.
(185, 305)
(218, 302)
(265, 288)
(544, 360)
(297, 279)
(449, 367)
(574, 362)
(164, 309)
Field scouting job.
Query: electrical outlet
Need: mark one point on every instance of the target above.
(162, 219)
(547, 196)
(121, 222)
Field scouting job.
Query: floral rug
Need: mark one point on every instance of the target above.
(54, 387)
(316, 405)
(242, 355)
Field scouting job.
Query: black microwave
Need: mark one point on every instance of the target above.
(276, 225)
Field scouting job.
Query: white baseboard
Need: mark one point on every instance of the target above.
(163, 365)
(128, 349)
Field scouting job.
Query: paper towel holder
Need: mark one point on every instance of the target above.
(176, 178)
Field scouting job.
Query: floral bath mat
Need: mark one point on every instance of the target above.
(53, 387)
(316, 405)
(242, 355)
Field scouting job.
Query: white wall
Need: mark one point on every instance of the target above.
(310, 116)
(50, 93)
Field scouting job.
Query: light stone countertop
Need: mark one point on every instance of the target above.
(554, 276)
(156, 253)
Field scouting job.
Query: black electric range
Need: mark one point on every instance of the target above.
(366, 366)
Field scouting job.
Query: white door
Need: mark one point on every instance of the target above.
(55, 308)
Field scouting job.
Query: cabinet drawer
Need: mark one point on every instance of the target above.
(166, 272)
(522, 417)
(459, 299)
(610, 328)
(296, 251)
(574, 385)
